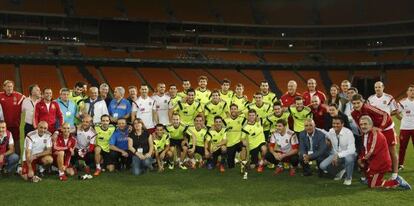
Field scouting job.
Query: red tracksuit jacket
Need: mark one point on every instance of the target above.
(375, 153)
(59, 145)
(288, 99)
(307, 97)
(319, 115)
(51, 116)
(12, 108)
(380, 118)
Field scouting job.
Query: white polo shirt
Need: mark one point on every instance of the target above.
(285, 142)
(37, 144)
(85, 138)
(162, 107)
(386, 102)
(28, 107)
(144, 108)
(406, 108)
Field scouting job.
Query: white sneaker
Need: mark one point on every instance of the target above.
(340, 175)
(348, 182)
(245, 176)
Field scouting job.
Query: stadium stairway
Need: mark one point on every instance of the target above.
(62, 81)
(326, 80)
(88, 76)
(142, 79)
(272, 84)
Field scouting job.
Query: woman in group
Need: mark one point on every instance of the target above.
(334, 98)
(140, 144)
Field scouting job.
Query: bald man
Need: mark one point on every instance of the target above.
(37, 150)
(382, 100)
(318, 112)
(289, 97)
(312, 147)
(312, 91)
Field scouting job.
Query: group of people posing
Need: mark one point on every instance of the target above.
(87, 129)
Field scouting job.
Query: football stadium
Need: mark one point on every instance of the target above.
(206, 102)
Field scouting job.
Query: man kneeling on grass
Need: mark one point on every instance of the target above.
(216, 142)
(8, 158)
(37, 150)
(162, 149)
(63, 150)
(283, 148)
(118, 144)
(375, 158)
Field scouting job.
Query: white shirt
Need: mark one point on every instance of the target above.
(144, 109)
(99, 109)
(162, 106)
(406, 108)
(344, 143)
(28, 106)
(37, 144)
(47, 105)
(1, 113)
(284, 142)
(386, 102)
(85, 138)
(11, 141)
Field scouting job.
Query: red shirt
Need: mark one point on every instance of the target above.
(380, 118)
(288, 99)
(51, 116)
(307, 97)
(60, 144)
(375, 153)
(319, 115)
(12, 108)
(4, 144)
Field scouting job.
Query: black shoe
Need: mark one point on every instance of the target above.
(307, 173)
(320, 173)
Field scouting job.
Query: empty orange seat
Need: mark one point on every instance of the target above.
(193, 74)
(282, 77)
(43, 75)
(315, 75)
(159, 75)
(235, 77)
(8, 72)
(22, 49)
(72, 75)
(121, 76)
(337, 76)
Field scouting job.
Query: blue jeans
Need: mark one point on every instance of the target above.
(139, 166)
(12, 160)
(346, 162)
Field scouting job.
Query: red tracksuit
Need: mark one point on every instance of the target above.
(60, 145)
(377, 160)
(52, 116)
(12, 110)
(307, 97)
(319, 116)
(380, 119)
(288, 99)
